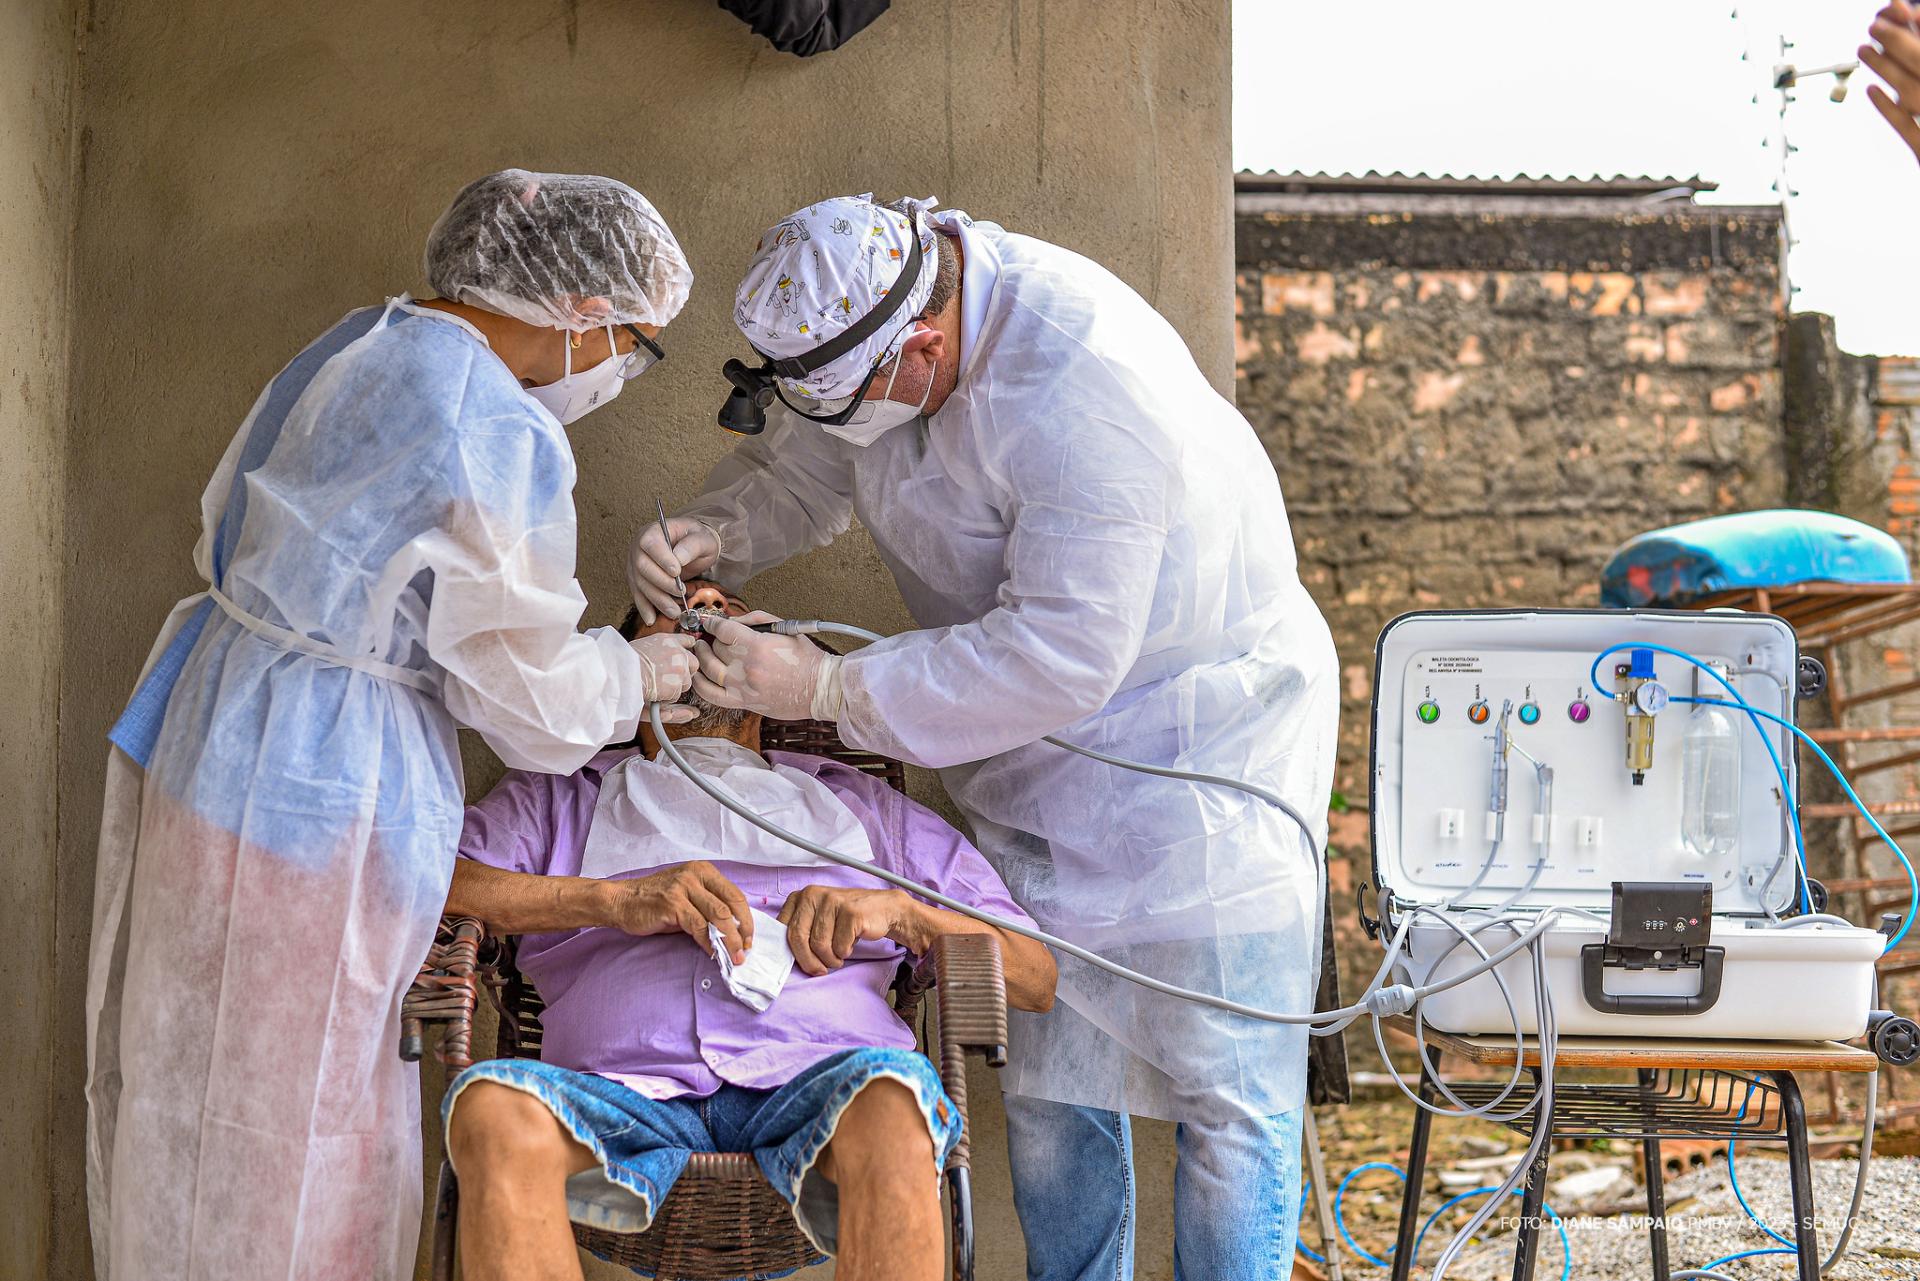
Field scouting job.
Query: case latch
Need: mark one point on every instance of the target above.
(1656, 925)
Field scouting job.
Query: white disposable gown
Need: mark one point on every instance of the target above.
(390, 547)
(1095, 546)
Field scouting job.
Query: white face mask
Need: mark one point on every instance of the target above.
(577, 394)
(875, 417)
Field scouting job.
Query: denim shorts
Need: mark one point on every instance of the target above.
(643, 1144)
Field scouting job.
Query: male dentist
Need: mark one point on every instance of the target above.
(1094, 545)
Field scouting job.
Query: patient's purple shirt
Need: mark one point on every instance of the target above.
(653, 1012)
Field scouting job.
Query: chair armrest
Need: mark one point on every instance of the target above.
(973, 993)
(445, 992)
(973, 1014)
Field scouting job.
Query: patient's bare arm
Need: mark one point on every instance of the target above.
(684, 897)
(825, 921)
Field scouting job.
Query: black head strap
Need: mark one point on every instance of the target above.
(798, 367)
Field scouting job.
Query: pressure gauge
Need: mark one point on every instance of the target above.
(1650, 698)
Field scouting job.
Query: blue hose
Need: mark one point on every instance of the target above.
(1566, 1246)
(1299, 1214)
(1734, 1178)
(1913, 882)
(1753, 713)
(1744, 1254)
(1339, 1220)
(1741, 1197)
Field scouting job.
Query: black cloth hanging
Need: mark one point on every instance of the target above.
(806, 27)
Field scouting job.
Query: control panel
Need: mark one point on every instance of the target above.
(1617, 758)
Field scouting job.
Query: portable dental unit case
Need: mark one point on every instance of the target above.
(1659, 827)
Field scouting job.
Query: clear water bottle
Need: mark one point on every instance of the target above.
(1710, 783)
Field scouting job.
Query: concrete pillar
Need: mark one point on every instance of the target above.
(36, 213)
(1827, 427)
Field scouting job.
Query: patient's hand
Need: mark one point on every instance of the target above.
(825, 921)
(685, 897)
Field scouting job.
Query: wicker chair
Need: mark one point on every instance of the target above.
(722, 1219)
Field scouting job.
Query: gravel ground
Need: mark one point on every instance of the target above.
(1704, 1222)
(1607, 1227)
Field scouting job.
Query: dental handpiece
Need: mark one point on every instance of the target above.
(700, 619)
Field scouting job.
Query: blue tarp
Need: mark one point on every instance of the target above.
(1753, 549)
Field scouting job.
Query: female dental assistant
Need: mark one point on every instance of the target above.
(388, 547)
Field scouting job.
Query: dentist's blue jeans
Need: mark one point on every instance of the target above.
(1236, 1194)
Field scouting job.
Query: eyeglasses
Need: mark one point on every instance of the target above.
(831, 412)
(844, 410)
(643, 357)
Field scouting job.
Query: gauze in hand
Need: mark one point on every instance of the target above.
(759, 978)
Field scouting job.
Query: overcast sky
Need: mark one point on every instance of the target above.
(1500, 87)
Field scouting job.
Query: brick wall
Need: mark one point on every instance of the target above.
(1473, 405)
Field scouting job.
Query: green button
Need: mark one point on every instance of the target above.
(1429, 712)
(1529, 713)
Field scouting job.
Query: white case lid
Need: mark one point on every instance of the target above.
(1431, 780)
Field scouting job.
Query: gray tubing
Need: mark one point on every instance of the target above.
(810, 626)
(1364, 1006)
(1544, 1014)
(1859, 1176)
(1488, 963)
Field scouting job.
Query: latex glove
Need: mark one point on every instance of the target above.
(668, 663)
(652, 565)
(786, 677)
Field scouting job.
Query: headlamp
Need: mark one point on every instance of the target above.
(744, 413)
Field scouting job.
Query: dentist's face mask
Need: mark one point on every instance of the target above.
(870, 418)
(575, 395)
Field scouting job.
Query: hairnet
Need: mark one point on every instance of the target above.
(817, 271)
(562, 251)
(394, 517)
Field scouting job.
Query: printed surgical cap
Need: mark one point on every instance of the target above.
(817, 272)
(562, 251)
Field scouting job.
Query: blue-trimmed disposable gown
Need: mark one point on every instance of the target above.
(1094, 545)
(389, 546)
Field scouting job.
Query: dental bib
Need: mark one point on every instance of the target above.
(649, 815)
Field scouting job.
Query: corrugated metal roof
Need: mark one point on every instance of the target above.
(1619, 186)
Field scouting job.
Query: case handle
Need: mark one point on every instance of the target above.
(1593, 970)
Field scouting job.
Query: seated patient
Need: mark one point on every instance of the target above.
(612, 876)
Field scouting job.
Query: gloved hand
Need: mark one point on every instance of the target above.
(669, 664)
(652, 565)
(786, 677)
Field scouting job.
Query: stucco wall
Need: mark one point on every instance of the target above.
(255, 171)
(36, 77)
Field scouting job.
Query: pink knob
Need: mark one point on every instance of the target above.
(1578, 711)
